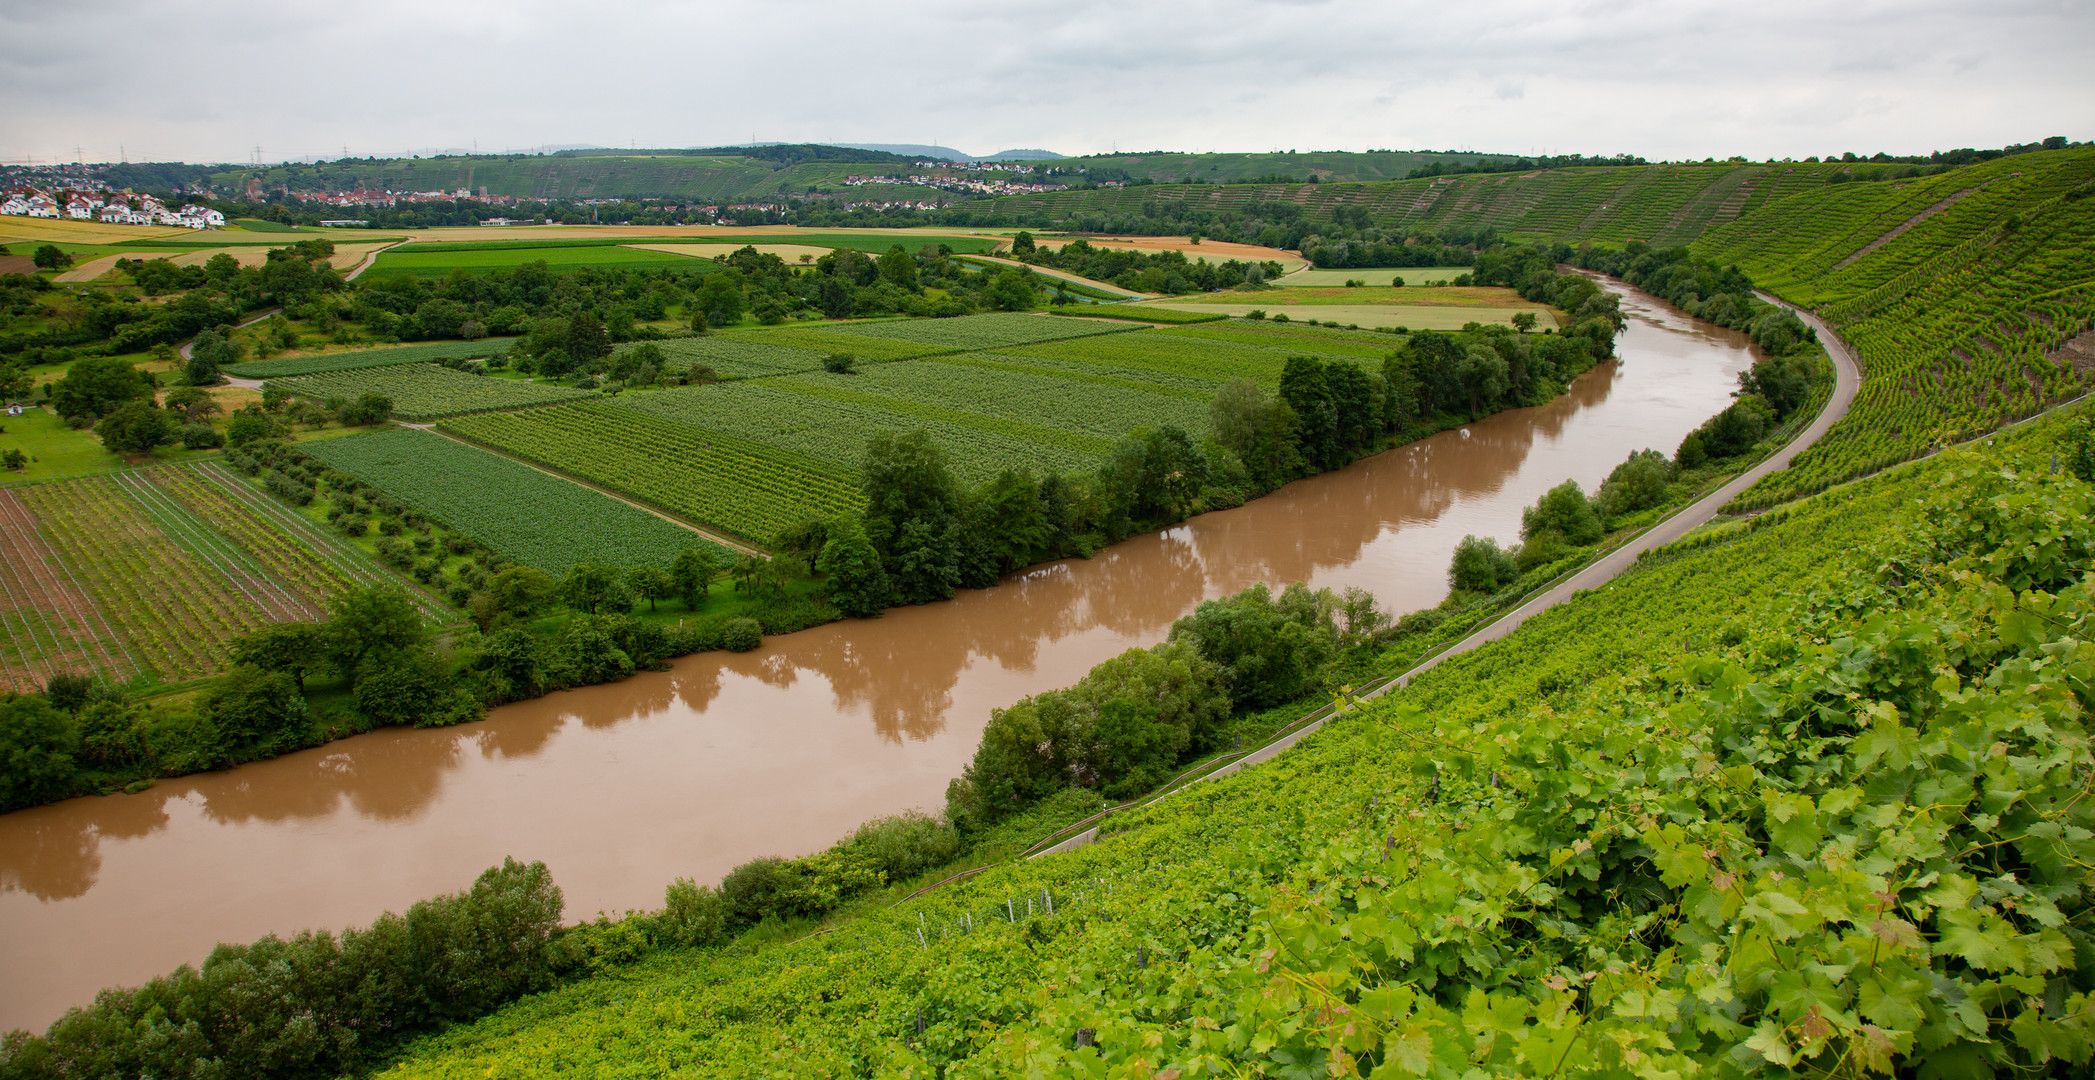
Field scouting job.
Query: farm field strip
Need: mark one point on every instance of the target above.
(202, 541)
(1328, 341)
(344, 558)
(1170, 352)
(36, 598)
(1429, 317)
(974, 332)
(275, 554)
(832, 432)
(1381, 275)
(539, 520)
(915, 406)
(735, 356)
(744, 486)
(179, 628)
(287, 366)
(429, 391)
(1034, 404)
(1149, 382)
(868, 347)
(29, 539)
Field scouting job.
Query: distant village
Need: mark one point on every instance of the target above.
(107, 207)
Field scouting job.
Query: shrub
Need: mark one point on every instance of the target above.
(741, 635)
(692, 916)
(201, 437)
(1481, 566)
(906, 844)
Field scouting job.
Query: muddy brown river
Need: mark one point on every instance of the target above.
(621, 788)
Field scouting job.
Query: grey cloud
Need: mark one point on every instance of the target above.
(1665, 79)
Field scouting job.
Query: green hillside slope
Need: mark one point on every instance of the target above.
(1664, 204)
(1960, 293)
(1670, 825)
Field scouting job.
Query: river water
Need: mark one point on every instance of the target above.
(621, 788)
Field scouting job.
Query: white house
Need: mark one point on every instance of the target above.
(116, 214)
(43, 206)
(204, 214)
(15, 206)
(80, 210)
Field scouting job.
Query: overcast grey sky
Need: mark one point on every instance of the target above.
(210, 82)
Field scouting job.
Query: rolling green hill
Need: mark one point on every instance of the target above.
(726, 175)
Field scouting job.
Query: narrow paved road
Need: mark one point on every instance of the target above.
(1847, 380)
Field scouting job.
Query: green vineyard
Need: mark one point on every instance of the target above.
(428, 391)
(538, 520)
(1959, 292)
(288, 366)
(712, 478)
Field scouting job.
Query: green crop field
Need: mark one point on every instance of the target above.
(714, 478)
(832, 424)
(536, 519)
(740, 355)
(368, 358)
(1218, 355)
(976, 331)
(408, 262)
(1134, 313)
(429, 391)
(167, 591)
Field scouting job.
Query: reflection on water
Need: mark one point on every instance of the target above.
(622, 788)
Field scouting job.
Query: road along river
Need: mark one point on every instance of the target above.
(621, 788)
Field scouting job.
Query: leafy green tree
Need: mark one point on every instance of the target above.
(13, 460)
(1565, 511)
(369, 407)
(1011, 522)
(36, 752)
(49, 257)
(296, 649)
(1637, 484)
(212, 352)
(94, 386)
(720, 299)
(1523, 321)
(194, 402)
(1258, 430)
(1012, 290)
(852, 573)
(914, 510)
(899, 269)
(275, 397)
(650, 583)
(254, 710)
(803, 541)
(1270, 651)
(1481, 566)
(15, 380)
(590, 585)
(1022, 243)
(136, 427)
(365, 619)
(693, 570)
(249, 424)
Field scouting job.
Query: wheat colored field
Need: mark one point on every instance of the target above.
(345, 259)
(1412, 275)
(1210, 251)
(66, 231)
(1371, 295)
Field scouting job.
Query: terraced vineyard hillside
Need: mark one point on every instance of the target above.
(1663, 204)
(1961, 293)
